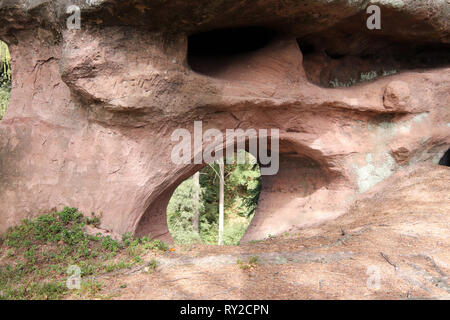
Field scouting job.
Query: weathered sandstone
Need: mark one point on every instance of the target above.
(92, 110)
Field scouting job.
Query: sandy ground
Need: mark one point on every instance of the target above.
(394, 244)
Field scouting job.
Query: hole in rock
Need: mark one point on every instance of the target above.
(329, 65)
(445, 160)
(5, 78)
(212, 51)
(347, 54)
(193, 210)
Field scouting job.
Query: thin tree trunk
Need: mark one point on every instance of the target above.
(221, 200)
(196, 200)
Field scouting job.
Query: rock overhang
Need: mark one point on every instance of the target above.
(107, 97)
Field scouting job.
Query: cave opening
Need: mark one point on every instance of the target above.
(5, 78)
(336, 59)
(211, 51)
(193, 212)
(445, 160)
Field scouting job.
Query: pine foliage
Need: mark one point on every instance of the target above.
(242, 189)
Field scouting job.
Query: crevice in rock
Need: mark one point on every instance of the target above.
(329, 66)
(212, 51)
(348, 54)
(445, 160)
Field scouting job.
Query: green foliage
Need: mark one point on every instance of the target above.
(151, 266)
(157, 245)
(41, 291)
(5, 78)
(110, 244)
(122, 264)
(363, 77)
(180, 213)
(5, 89)
(90, 288)
(234, 231)
(63, 226)
(252, 262)
(243, 186)
(94, 220)
(42, 248)
(242, 189)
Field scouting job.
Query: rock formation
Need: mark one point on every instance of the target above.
(92, 110)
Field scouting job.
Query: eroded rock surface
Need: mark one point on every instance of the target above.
(392, 244)
(92, 110)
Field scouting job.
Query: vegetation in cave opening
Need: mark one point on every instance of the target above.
(242, 186)
(5, 78)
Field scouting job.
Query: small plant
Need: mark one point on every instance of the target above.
(389, 72)
(336, 83)
(368, 76)
(94, 220)
(110, 244)
(151, 266)
(363, 77)
(118, 266)
(242, 264)
(160, 245)
(48, 291)
(30, 255)
(252, 262)
(127, 238)
(10, 253)
(90, 288)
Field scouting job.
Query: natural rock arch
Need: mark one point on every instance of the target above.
(283, 199)
(92, 112)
